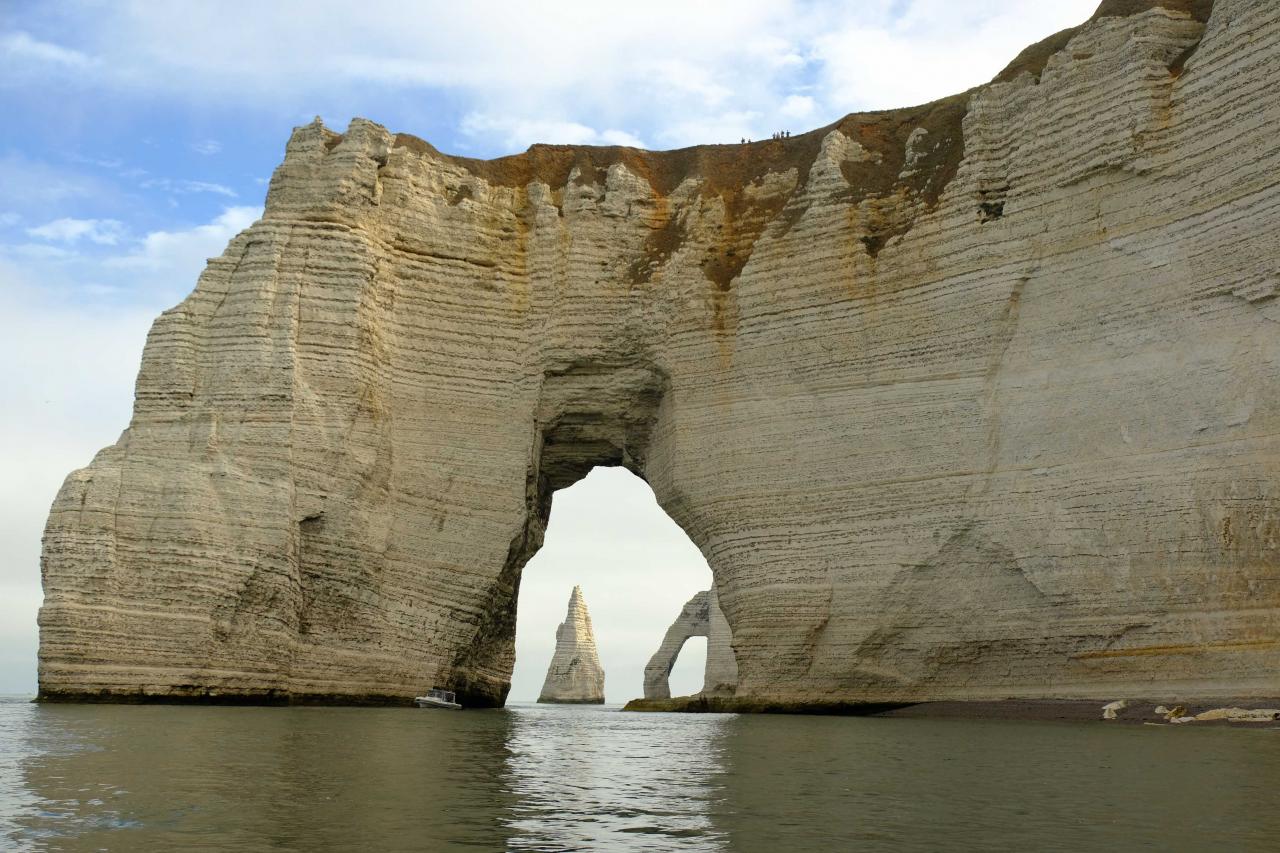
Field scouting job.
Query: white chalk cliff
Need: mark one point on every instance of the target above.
(972, 400)
(574, 675)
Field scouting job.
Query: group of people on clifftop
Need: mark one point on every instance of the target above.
(781, 134)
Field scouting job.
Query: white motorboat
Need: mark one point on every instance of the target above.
(437, 698)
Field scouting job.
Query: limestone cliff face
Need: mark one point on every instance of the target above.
(977, 399)
(574, 676)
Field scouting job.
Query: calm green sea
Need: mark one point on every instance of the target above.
(101, 777)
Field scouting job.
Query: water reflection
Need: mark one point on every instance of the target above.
(162, 778)
(532, 778)
(540, 778)
(585, 779)
(821, 783)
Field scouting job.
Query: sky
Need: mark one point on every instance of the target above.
(136, 138)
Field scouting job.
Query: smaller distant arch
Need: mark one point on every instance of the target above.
(700, 617)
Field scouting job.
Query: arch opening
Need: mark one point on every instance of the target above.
(635, 565)
(611, 415)
(688, 674)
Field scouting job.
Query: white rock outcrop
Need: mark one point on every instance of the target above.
(1111, 710)
(973, 400)
(574, 676)
(1179, 714)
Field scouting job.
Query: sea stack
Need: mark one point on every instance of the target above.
(575, 676)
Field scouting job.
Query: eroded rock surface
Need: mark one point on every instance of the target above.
(701, 616)
(973, 400)
(574, 676)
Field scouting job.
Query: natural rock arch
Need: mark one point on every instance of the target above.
(976, 399)
(589, 414)
(700, 617)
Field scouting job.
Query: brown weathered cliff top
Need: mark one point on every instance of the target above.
(722, 167)
(1033, 59)
(729, 167)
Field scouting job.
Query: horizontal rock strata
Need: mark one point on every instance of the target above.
(574, 676)
(972, 400)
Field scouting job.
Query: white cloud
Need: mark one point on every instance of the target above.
(618, 72)
(724, 127)
(521, 133)
(679, 75)
(204, 187)
(207, 147)
(729, 69)
(19, 47)
(797, 106)
(95, 289)
(38, 252)
(105, 232)
(37, 189)
(935, 48)
(156, 270)
(187, 187)
(9, 219)
(110, 163)
(620, 137)
(177, 257)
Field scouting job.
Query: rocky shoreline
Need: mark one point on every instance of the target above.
(1061, 710)
(263, 698)
(1135, 712)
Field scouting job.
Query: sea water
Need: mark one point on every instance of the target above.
(558, 778)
